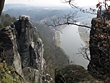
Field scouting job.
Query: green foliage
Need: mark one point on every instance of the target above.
(8, 75)
(6, 20)
(1, 25)
(35, 37)
(53, 55)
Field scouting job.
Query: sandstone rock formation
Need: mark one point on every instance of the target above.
(21, 48)
(99, 65)
(99, 48)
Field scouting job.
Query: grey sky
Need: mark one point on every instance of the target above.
(53, 2)
(37, 2)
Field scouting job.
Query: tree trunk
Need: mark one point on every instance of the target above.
(1, 5)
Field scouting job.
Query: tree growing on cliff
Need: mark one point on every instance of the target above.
(70, 19)
(6, 20)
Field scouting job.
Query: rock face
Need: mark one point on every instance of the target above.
(100, 48)
(74, 74)
(21, 47)
(99, 65)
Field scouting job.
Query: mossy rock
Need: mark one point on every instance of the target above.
(35, 38)
(8, 75)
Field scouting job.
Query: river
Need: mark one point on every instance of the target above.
(70, 43)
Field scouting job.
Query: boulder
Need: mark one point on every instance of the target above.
(74, 74)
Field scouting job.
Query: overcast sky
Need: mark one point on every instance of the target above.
(53, 2)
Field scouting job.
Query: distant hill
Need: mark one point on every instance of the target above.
(38, 13)
(14, 6)
(35, 13)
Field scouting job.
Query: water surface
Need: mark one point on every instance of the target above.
(70, 43)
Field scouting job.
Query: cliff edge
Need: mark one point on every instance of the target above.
(22, 49)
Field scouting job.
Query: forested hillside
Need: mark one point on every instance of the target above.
(54, 55)
(6, 20)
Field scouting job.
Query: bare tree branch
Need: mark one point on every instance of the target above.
(84, 51)
(66, 19)
(90, 11)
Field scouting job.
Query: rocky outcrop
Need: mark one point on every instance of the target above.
(99, 65)
(8, 75)
(21, 48)
(99, 48)
(1, 6)
(74, 74)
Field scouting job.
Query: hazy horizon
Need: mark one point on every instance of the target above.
(52, 2)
